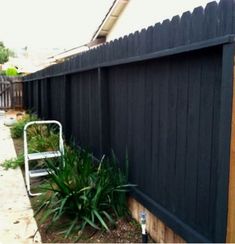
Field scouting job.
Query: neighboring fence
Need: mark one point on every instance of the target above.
(163, 96)
(11, 92)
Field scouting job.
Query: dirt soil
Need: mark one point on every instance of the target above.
(127, 230)
(19, 146)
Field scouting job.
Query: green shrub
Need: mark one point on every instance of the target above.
(43, 138)
(84, 191)
(2, 72)
(18, 128)
(11, 72)
(41, 143)
(13, 163)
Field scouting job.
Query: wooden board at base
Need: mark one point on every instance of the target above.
(231, 198)
(155, 227)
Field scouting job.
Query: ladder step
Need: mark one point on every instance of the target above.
(38, 173)
(43, 155)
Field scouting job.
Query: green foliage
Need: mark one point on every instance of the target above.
(18, 128)
(14, 163)
(11, 72)
(41, 139)
(87, 192)
(4, 53)
(2, 72)
(40, 143)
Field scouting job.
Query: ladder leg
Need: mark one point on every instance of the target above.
(33, 194)
(27, 179)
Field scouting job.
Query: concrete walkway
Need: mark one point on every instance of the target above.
(17, 224)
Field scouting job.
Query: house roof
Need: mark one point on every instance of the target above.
(74, 51)
(100, 34)
(110, 19)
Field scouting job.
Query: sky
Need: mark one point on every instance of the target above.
(66, 24)
(50, 23)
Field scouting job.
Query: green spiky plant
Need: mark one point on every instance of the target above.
(87, 192)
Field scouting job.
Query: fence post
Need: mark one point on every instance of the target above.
(67, 106)
(104, 121)
(224, 142)
(48, 95)
(11, 97)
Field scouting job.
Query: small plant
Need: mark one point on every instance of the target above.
(41, 143)
(13, 163)
(4, 53)
(18, 128)
(42, 138)
(2, 72)
(86, 192)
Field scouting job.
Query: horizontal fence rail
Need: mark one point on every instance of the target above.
(163, 96)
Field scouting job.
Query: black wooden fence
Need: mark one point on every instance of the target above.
(164, 96)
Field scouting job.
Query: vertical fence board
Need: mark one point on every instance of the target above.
(164, 72)
(205, 134)
(192, 137)
(181, 136)
(171, 133)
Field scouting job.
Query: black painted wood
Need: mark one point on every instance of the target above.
(163, 95)
(193, 117)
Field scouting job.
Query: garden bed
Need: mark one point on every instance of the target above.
(126, 229)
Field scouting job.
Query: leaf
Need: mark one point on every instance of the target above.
(45, 216)
(71, 227)
(91, 223)
(100, 164)
(101, 220)
(108, 217)
(85, 188)
(62, 204)
(40, 208)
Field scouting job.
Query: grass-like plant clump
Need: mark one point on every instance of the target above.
(42, 138)
(18, 128)
(86, 192)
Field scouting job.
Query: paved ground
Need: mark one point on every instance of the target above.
(17, 224)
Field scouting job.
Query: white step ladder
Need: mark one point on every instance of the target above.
(39, 155)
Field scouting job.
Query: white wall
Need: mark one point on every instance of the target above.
(140, 14)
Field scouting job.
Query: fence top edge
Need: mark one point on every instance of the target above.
(218, 41)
